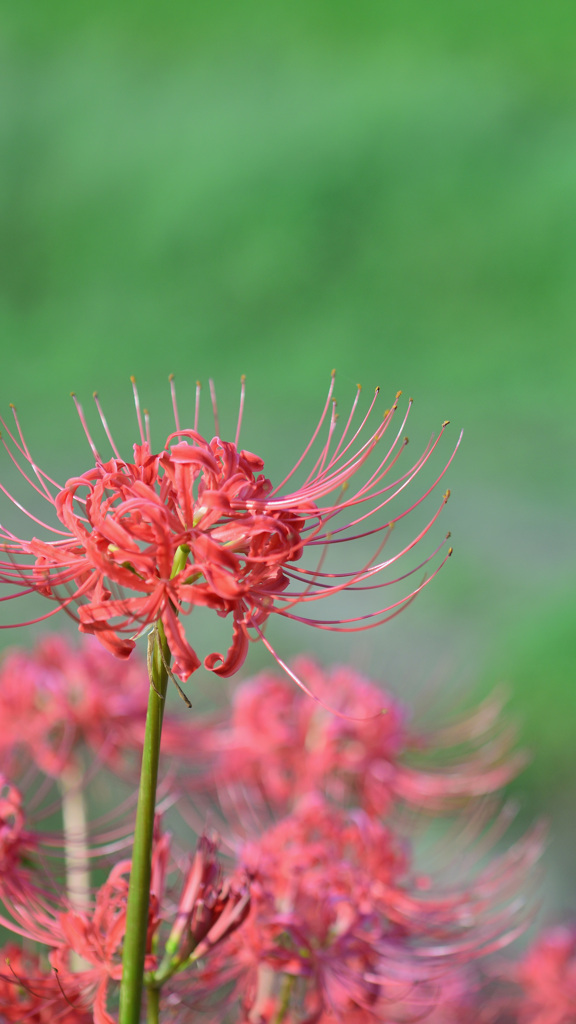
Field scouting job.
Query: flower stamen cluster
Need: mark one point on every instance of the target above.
(199, 524)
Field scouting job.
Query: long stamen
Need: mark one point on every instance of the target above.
(380, 431)
(104, 422)
(197, 405)
(137, 407)
(318, 467)
(286, 668)
(147, 426)
(312, 439)
(26, 452)
(241, 408)
(174, 403)
(34, 518)
(214, 406)
(348, 422)
(82, 419)
(335, 625)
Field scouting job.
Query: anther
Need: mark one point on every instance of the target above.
(170, 377)
(446, 496)
(450, 550)
(445, 424)
(132, 379)
(448, 535)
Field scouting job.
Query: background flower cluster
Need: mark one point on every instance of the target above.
(308, 865)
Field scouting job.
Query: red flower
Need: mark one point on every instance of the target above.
(275, 746)
(342, 926)
(30, 992)
(198, 523)
(544, 980)
(95, 935)
(59, 697)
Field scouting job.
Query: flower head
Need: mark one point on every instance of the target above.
(197, 523)
(30, 991)
(543, 980)
(342, 925)
(275, 746)
(60, 696)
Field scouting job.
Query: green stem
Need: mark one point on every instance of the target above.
(285, 993)
(153, 1006)
(139, 889)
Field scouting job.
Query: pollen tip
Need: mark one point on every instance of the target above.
(398, 393)
(145, 411)
(333, 373)
(243, 378)
(12, 406)
(198, 384)
(406, 440)
(447, 495)
(132, 378)
(450, 550)
(72, 394)
(377, 390)
(170, 376)
(446, 422)
(448, 535)
(94, 394)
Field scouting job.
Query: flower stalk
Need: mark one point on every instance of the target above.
(76, 837)
(153, 1006)
(139, 890)
(76, 850)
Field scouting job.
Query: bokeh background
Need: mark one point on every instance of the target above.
(280, 189)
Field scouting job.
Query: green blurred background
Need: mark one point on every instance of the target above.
(279, 189)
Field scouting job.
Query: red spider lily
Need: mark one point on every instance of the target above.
(543, 981)
(30, 992)
(209, 908)
(277, 746)
(59, 697)
(341, 928)
(95, 935)
(16, 844)
(198, 524)
(84, 942)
